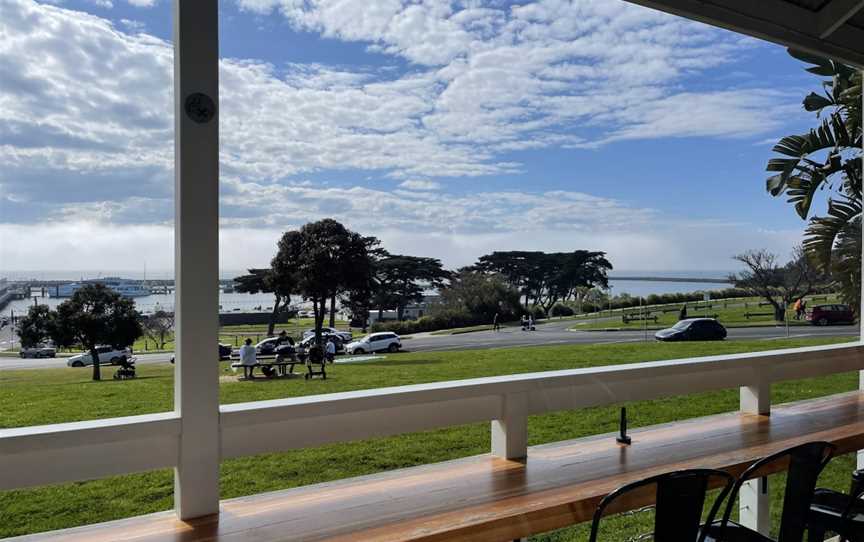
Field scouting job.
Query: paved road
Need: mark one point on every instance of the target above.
(546, 334)
(557, 333)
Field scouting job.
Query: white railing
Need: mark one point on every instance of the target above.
(85, 450)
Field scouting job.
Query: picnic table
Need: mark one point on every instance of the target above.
(282, 365)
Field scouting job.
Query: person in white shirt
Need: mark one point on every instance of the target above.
(247, 355)
(330, 351)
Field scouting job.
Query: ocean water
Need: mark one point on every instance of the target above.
(237, 302)
(233, 302)
(645, 288)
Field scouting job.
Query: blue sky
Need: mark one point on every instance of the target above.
(448, 129)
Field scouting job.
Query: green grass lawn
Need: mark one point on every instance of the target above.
(52, 396)
(730, 314)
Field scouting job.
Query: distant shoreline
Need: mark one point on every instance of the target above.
(670, 279)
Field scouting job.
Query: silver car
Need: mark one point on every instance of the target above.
(108, 355)
(375, 342)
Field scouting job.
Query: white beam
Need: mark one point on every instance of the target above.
(835, 14)
(69, 452)
(753, 505)
(510, 431)
(196, 255)
(754, 502)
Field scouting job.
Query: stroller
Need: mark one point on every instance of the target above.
(126, 370)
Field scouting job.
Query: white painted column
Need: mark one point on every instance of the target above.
(196, 255)
(510, 433)
(754, 502)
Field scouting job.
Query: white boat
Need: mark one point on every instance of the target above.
(124, 287)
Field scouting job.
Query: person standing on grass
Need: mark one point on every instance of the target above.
(330, 350)
(683, 314)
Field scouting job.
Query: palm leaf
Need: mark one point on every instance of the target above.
(821, 234)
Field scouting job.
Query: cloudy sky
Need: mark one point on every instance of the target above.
(447, 129)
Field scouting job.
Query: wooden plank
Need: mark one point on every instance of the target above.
(486, 498)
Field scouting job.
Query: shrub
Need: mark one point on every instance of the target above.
(562, 310)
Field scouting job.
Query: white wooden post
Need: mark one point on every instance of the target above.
(754, 500)
(196, 255)
(510, 433)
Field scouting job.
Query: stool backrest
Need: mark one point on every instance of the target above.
(679, 502)
(803, 464)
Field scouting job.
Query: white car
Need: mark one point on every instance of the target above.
(346, 336)
(108, 355)
(375, 342)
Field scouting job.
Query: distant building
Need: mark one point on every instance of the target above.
(411, 312)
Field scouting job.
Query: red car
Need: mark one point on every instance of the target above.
(823, 315)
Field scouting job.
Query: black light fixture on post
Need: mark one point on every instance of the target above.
(622, 429)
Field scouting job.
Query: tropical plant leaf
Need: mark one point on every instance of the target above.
(823, 65)
(821, 234)
(801, 190)
(816, 102)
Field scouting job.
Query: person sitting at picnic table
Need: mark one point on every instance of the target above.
(285, 349)
(247, 354)
(330, 350)
(301, 353)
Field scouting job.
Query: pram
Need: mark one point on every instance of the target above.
(126, 370)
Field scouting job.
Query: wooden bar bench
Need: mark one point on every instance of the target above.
(484, 498)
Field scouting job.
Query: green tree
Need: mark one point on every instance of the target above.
(266, 281)
(542, 278)
(36, 326)
(402, 279)
(323, 259)
(827, 159)
(481, 296)
(93, 316)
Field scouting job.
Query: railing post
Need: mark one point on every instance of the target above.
(754, 501)
(196, 255)
(510, 433)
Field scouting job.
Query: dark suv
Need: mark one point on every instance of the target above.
(823, 315)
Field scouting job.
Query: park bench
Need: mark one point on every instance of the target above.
(486, 498)
(626, 318)
(749, 315)
(281, 366)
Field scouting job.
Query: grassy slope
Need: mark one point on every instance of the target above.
(36, 397)
(734, 315)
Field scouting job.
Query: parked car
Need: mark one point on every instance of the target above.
(823, 315)
(346, 336)
(337, 339)
(224, 352)
(375, 342)
(38, 352)
(267, 347)
(108, 355)
(693, 329)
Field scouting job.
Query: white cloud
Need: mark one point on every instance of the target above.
(86, 129)
(143, 3)
(420, 184)
(133, 26)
